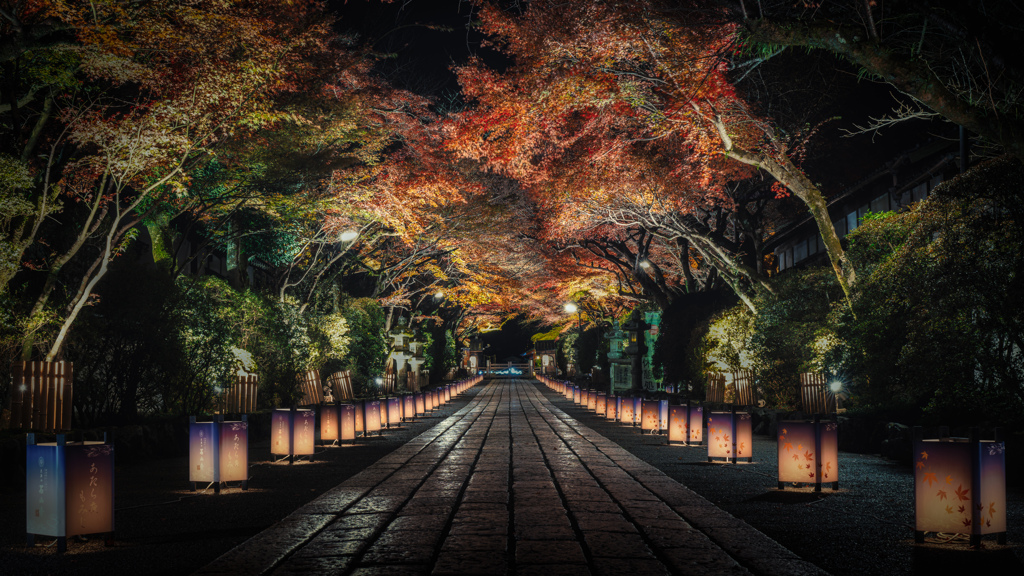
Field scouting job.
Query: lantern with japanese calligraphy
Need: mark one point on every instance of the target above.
(69, 489)
(346, 422)
(808, 453)
(358, 413)
(329, 431)
(292, 433)
(218, 452)
(960, 486)
(393, 411)
(408, 407)
(371, 417)
(730, 436)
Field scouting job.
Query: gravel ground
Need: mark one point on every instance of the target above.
(866, 527)
(163, 528)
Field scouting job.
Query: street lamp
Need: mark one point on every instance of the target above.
(348, 235)
(836, 386)
(570, 308)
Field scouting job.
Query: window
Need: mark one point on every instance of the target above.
(800, 250)
(851, 221)
(920, 192)
(880, 204)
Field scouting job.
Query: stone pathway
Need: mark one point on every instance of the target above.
(510, 485)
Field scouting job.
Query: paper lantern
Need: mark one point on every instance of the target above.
(808, 453)
(685, 425)
(960, 486)
(219, 452)
(567, 391)
(329, 424)
(394, 411)
(447, 393)
(612, 407)
(577, 395)
(626, 411)
(358, 406)
(421, 403)
(292, 433)
(592, 400)
(346, 422)
(371, 417)
(69, 489)
(601, 405)
(637, 409)
(408, 407)
(649, 410)
(662, 416)
(729, 436)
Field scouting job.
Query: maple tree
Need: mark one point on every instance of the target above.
(141, 100)
(613, 97)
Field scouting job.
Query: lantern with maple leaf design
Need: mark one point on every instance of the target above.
(592, 400)
(650, 411)
(626, 411)
(612, 406)
(686, 425)
(808, 453)
(730, 436)
(292, 433)
(960, 486)
(601, 405)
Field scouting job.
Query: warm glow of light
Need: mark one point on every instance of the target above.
(349, 235)
(439, 294)
(836, 386)
(645, 264)
(571, 307)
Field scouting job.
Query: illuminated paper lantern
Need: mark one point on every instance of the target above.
(371, 417)
(346, 422)
(730, 436)
(358, 405)
(626, 411)
(960, 486)
(808, 453)
(612, 407)
(429, 398)
(292, 433)
(601, 405)
(577, 395)
(69, 489)
(394, 411)
(447, 394)
(421, 403)
(592, 400)
(678, 424)
(662, 416)
(234, 452)
(567, 391)
(637, 409)
(649, 411)
(408, 407)
(218, 452)
(329, 424)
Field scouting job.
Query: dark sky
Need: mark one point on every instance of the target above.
(423, 39)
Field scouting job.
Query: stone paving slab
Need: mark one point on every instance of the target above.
(510, 484)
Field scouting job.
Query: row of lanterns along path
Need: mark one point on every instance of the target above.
(959, 483)
(70, 485)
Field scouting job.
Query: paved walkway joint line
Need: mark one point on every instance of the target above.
(510, 484)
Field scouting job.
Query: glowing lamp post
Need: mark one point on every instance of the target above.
(292, 433)
(960, 486)
(730, 436)
(69, 489)
(218, 452)
(809, 453)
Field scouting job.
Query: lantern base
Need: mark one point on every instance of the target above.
(834, 486)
